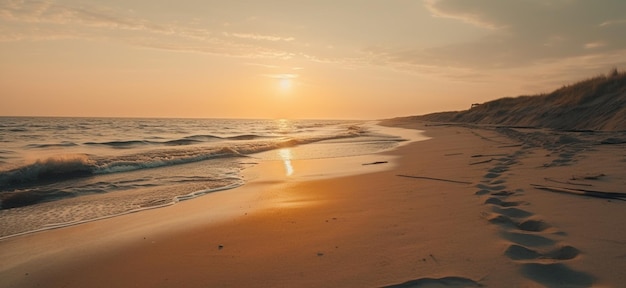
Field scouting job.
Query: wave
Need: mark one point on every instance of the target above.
(50, 169)
(160, 158)
(18, 130)
(122, 144)
(244, 137)
(203, 137)
(188, 140)
(180, 142)
(66, 167)
(42, 146)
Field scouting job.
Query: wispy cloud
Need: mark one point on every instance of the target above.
(522, 34)
(259, 37)
(49, 12)
(49, 20)
(613, 22)
(594, 45)
(454, 11)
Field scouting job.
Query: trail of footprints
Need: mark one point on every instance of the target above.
(531, 239)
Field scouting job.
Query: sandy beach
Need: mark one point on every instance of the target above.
(469, 207)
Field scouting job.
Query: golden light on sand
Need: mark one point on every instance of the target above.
(286, 156)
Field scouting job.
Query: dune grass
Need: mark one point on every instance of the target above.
(597, 103)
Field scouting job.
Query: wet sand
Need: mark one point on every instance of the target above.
(469, 214)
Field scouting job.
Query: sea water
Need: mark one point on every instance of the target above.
(60, 171)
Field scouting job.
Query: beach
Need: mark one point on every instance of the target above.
(471, 206)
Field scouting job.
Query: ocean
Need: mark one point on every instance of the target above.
(56, 172)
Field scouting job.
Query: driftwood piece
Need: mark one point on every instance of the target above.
(436, 179)
(583, 192)
(512, 145)
(375, 163)
(567, 182)
(487, 155)
(588, 176)
(481, 162)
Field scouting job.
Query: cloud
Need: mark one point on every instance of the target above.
(49, 20)
(613, 22)
(520, 34)
(49, 12)
(472, 16)
(593, 45)
(259, 37)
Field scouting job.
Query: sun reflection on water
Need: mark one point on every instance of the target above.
(286, 156)
(284, 126)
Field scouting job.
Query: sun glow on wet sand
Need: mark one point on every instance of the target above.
(285, 155)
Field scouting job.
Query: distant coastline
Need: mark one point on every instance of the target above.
(596, 104)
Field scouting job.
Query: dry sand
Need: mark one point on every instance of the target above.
(488, 226)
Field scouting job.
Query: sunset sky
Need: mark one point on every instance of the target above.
(339, 59)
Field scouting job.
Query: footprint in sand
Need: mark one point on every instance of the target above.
(518, 252)
(503, 193)
(491, 188)
(522, 229)
(482, 192)
(556, 275)
(491, 175)
(526, 239)
(563, 253)
(510, 212)
(450, 281)
(499, 169)
(508, 161)
(531, 225)
(496, 171)
(499, 219)
(486, 189)
(502, 203)
(507, 193)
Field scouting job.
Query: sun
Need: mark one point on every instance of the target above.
(285, 83)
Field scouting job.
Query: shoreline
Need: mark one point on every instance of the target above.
(338, 168)
(373, 229)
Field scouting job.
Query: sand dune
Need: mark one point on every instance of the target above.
(598, 103)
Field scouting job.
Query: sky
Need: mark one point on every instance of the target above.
(309, 59)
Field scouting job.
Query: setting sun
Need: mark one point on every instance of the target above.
(285, 83)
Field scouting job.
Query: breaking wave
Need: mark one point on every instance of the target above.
(65, 167)
(188, 140)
